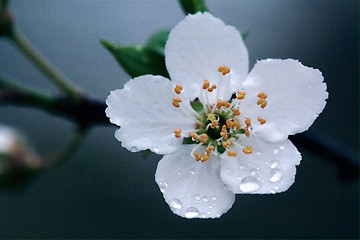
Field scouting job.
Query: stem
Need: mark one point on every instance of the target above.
(58, 78)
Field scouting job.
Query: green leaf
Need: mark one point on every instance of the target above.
(138, 60)
(158, 39)
(193, 6)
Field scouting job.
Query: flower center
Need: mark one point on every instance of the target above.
(219, 125)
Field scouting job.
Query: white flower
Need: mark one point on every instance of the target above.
(240, 133)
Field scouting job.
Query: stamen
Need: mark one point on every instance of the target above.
(261, 94)
(214, 124)
(260, 101)
(196, 155)
(177, 133)
(232, 153)
(206, 84)
(248, 150)
(248, 122)
(210, 89)
(224, 69)
(178, 88)
(263, 104)
(194, 136)
(209, 149)
(241, 95)
(176, 101)
(235, 111)
(203, 138)
(237, 124)
(205, 157)
(261, 120)
(247, 132)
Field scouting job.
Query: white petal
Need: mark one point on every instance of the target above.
(144, 110)
(296, 96)
(197, 46)
(269, 169)
(193, 189)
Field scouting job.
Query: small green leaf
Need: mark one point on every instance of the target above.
(158, 40)
(244, 34)
(138, 60)
(188, 140)
(193, 6)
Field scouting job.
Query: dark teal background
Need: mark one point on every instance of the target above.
(104, 191)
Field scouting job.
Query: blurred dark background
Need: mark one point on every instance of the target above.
(104, 191)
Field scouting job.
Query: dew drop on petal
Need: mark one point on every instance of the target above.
(210, 206)
(205, 198)
(213, 198)
(192, 172)
(191, 212)
(162, 189)
(176, 203)
(276, 175)
(197, 197)
(156, 150)
(249, 184)
(276, 151)
(274, 164)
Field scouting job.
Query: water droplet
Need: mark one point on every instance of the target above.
(249, 184)
(205, 198)
(276, 151)
(178, 173)
(258, 153)
(276, 175)
(281, 147)
(210, 206)
(156, 150)
(162, 189)
(272, 191)
(238, 178)
(133, 149)
(192, 171)
(197, 197)
(176, 203)
(253, 173)
(213, 198)
(274, 164)
(191, 212)
(166, 184)
(241, 167)
(179, 195)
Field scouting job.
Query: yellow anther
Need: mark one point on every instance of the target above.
(178, 88)
(214, 124)
(204, 157)
(210, 89)
(232, 153)
(235, 111)
(194, 136)
(177, 133)
(248, 150)
(226, 104)
(224, 69)
(219, 103)
(225, 145)
(260, 101)
(237, 125)
(203, 138)
(228, 142)
(229, 123)
(196, 155)
(223, 128)
(247, 132)
(241, 95)
(209, 149)
(176, 101)
(248, 122)
(263, 104)
(224, 135)
(261, 120)
(206, 84)
(261, 94)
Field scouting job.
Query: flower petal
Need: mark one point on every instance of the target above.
(143, 109)
(269, 169)
(197, 46)
(296, 96)
(193, 189)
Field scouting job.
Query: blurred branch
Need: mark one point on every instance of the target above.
(346, 159)
(85, 112)
(59, 79)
